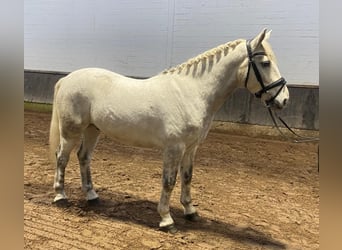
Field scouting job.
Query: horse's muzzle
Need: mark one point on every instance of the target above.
(276, 104)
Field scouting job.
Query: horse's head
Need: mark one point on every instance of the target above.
(261, 75)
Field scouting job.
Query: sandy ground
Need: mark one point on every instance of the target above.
(251, 193)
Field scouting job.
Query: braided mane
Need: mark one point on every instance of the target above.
(210, 55)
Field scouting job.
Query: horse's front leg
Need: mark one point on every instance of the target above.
(186, 177)
(172, 158)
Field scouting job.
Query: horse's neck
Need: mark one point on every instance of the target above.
(210, 77)
(221, 79)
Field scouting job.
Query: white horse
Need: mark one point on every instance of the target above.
(172, 111)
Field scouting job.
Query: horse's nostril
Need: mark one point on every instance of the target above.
(285, 102)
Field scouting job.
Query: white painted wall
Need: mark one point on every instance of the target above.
(141, 38)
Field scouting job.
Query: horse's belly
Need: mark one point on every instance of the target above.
(135, 139)
(132, 134)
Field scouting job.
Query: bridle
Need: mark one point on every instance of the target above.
(264, 88)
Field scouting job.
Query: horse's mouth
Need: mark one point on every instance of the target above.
(276, 105)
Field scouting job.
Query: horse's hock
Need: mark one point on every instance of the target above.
(241, 107)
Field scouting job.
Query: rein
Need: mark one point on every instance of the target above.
(298, 139)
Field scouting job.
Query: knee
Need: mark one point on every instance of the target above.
(187, 176)
(169, 182)
(83, 156)
(84, 160)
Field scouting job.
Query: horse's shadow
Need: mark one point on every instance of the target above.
(124, 207)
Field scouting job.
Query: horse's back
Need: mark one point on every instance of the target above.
(84, 86)
(117, 105)
(88, 78)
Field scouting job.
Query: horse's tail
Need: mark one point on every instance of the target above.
(54, 138)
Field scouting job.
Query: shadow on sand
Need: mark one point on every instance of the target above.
(127, 208)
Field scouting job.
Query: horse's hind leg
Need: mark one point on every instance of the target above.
(90, 137)
(186, 177)
(62, 158)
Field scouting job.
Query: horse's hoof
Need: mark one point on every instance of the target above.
(193, 217)
(169, 229)
(93, 202)
(61, 203)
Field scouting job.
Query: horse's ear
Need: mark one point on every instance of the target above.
(259, 38)
(268, 35)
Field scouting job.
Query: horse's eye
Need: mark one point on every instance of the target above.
(265, 64)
